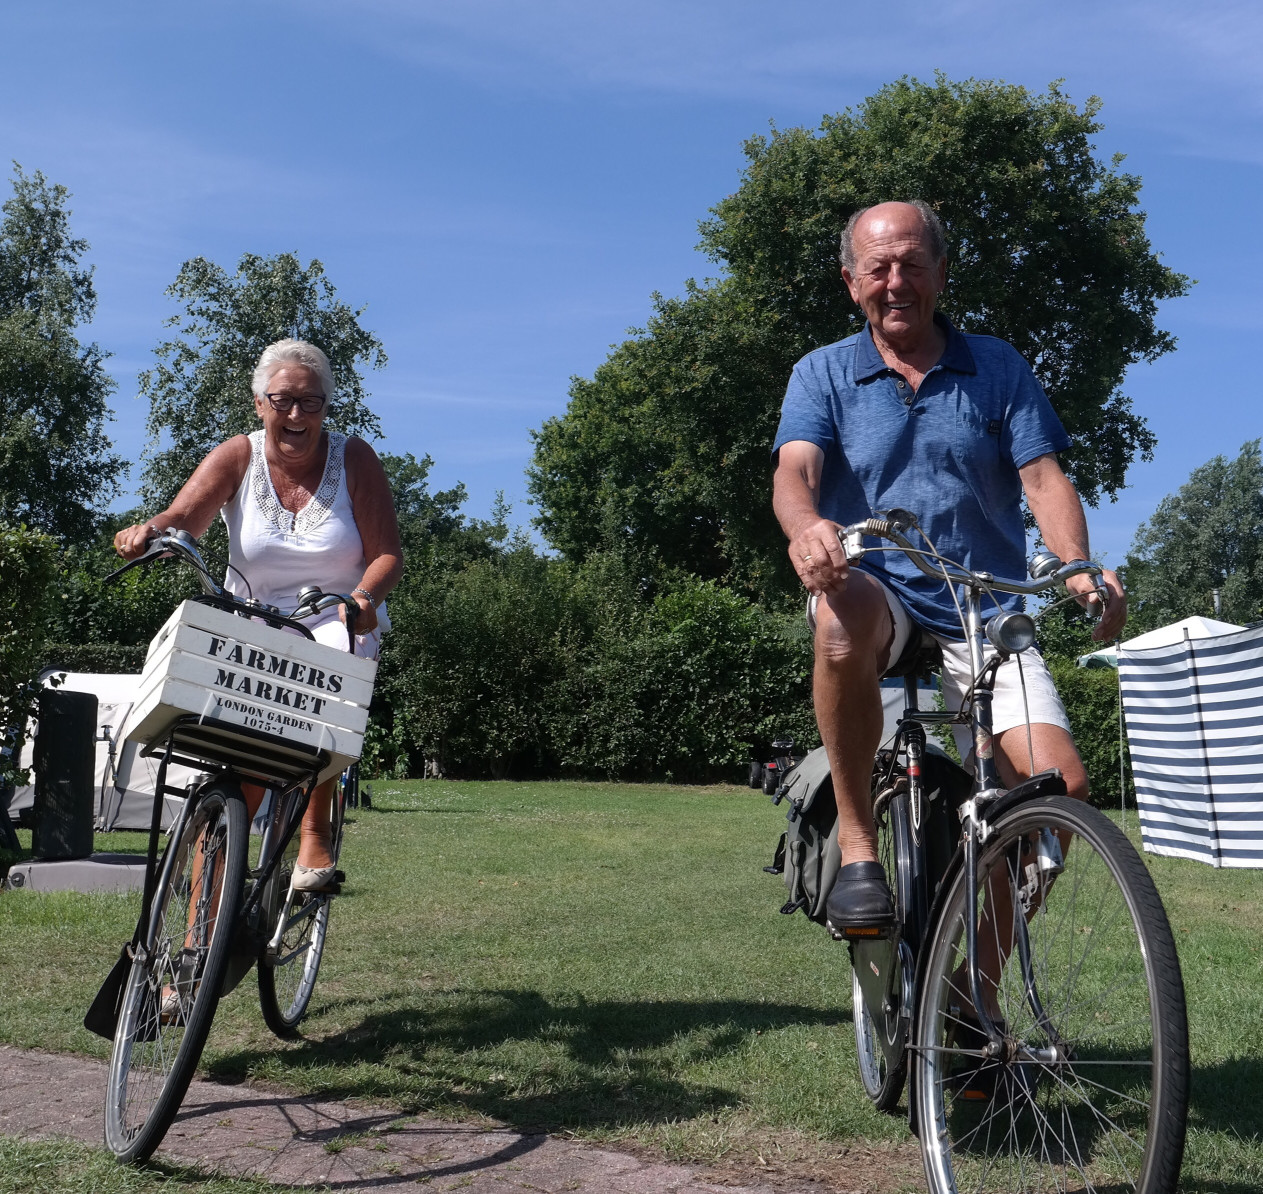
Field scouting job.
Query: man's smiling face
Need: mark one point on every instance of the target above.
(896, 280)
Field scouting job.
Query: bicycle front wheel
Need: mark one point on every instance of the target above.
(287, 972)
(1090, 1090)
(174, 984)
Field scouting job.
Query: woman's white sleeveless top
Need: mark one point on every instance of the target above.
(280, 552)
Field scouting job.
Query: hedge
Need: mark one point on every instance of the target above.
(28, 566)
(1091, 699)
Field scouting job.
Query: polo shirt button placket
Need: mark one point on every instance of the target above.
(905, 392)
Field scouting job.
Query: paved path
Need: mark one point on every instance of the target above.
(245, 1132)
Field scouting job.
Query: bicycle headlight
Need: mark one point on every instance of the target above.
(1011, 632)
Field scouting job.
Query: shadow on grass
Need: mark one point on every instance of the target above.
(1228, 1097)
(535, 1063)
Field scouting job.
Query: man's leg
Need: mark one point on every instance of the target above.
(1051, 746)
(854, 632)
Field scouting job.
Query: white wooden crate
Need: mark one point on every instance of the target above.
(261, 694)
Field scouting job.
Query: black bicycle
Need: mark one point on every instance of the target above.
(1029, 988)
(208, 914)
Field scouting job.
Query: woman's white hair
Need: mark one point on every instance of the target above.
(291, 352)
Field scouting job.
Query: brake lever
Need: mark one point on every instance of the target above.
(150, 554)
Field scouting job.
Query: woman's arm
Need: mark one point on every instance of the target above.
(373, 506)
(213, 483)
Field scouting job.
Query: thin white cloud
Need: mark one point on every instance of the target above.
(1193, 72)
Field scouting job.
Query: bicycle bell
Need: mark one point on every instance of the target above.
(1044, 563)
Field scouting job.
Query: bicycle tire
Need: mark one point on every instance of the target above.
(876, 1035)
(287, 977)
(155, 1051)
(1092, 1087)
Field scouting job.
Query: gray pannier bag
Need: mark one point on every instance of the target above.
(808, 853)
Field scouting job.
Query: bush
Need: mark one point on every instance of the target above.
(524, 665)
(114, 658)
(467, 676)
(28, 566)
(1091, 699)
(699, 687)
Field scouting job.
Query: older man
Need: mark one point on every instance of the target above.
(912, 413)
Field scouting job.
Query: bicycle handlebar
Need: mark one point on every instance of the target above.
(173, 542)
(892, 525)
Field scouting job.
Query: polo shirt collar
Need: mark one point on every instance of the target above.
(956, 355)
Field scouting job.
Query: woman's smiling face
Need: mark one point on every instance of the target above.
(294, 435)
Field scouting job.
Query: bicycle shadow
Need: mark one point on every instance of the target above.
(550, 1063)
(1225, 1098)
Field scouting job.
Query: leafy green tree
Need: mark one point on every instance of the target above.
(1206, 536)
(57, 470)
(88, 612)
(663, 451)
(199, 391)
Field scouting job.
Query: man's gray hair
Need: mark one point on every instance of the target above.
(929, 218)
(291, 352)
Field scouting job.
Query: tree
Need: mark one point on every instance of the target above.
(199, 391)
(57, 470)
(1207, 536)
(667, 443)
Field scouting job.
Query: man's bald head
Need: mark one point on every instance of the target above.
(935, 238)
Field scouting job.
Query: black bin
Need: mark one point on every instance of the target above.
(64, 774)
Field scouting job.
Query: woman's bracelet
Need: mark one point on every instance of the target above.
(371, 599)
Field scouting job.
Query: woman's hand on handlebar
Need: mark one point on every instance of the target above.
(132, 541)
(817, 555)
(1113, 616)
(365, 617)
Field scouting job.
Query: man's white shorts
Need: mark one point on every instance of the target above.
(1008, 708)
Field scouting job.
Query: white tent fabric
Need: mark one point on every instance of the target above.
(1177, 632)
(124, 780)
(1194, 710)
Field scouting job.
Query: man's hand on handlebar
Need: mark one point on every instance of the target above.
(817, 555)
(1086, 590)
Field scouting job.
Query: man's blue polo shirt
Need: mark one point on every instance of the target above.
(949, 453)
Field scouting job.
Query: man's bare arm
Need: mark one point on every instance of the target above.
(1059, 514)
(814, 547)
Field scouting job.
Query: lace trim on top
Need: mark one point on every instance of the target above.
(317, 509)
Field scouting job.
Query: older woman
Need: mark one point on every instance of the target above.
(303, 506)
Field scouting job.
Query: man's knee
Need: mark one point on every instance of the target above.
(854, 626)
(1051, 746)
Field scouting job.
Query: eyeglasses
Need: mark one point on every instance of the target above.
(284, 403)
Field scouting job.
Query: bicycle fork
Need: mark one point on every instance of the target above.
(1027, 882)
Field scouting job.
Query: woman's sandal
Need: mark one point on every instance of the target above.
(315, 878)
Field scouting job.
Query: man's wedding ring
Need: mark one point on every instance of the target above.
(806, 559)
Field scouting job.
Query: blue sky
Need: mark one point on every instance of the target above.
(503, 184)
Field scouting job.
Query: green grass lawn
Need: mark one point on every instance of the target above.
(608, 960)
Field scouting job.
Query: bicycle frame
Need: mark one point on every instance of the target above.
(912, 881)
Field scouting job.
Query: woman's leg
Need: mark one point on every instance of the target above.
(315, 846)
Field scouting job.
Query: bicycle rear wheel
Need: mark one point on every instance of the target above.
(1091, 1089)
(287, 974)
(174, 985)
(880, 1031)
